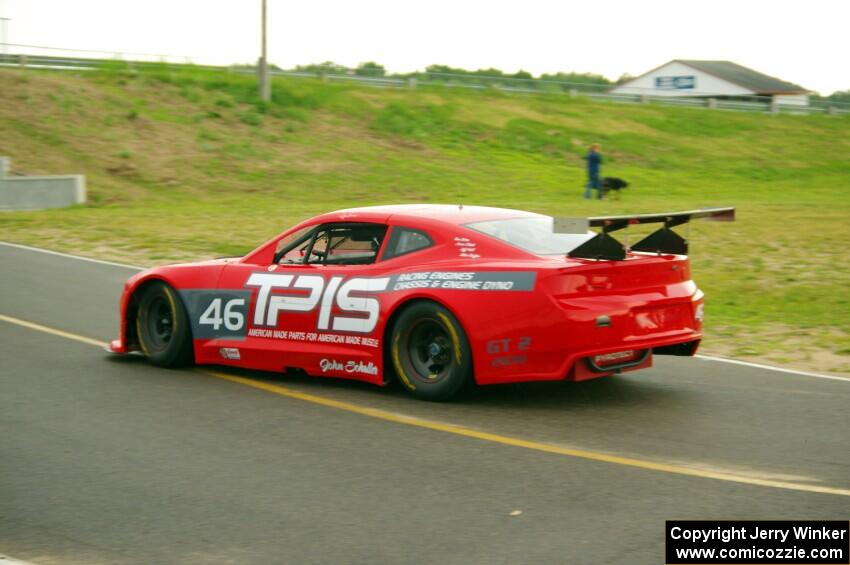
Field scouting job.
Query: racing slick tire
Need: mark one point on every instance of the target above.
(162, 327)
(430, 352)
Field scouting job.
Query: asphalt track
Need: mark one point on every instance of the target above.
(109, 460)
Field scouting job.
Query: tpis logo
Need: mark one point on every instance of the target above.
(286, 293)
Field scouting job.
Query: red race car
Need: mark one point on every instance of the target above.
(440, 297)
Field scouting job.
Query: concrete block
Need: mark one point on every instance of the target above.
(38, 192)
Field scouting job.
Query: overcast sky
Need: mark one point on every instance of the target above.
(801, 42)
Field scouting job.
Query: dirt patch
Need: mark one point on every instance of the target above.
(782, 346)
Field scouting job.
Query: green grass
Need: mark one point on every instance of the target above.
(185, 164)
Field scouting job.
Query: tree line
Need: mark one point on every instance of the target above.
(448, 73)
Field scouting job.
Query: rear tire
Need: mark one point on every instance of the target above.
(162, 327)
(430, 352)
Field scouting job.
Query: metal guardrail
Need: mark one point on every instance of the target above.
(140, 61)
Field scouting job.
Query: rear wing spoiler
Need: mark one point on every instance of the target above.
(664, 240)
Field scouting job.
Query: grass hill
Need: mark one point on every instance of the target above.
(187, 163)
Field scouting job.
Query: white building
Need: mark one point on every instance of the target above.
(712, 79)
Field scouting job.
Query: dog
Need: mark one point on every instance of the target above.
(613, 183)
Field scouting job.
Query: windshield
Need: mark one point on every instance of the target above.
(534, 235)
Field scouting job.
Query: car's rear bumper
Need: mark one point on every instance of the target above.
(594, 361)
(591, 365)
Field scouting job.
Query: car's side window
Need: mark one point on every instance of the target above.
(318, 247)
(406, 240)
(346, 244)
(291, 248)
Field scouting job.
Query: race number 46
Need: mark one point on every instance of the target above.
(215, 315)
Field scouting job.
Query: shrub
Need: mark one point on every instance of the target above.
(370, 69)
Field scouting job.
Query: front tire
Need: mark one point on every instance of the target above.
(430, 352)
(162, 327)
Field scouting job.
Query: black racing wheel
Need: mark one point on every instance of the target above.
(162, 327)
(430, 352)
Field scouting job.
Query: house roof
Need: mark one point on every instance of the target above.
(742, 76)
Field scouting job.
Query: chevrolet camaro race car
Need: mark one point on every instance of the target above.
(437, 296)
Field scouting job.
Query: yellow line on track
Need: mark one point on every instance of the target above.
(53, 331)
(469, 432)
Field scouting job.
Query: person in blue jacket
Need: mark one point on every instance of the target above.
(594, 160)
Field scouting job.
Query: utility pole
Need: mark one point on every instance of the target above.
(4, 36)
(265, 85)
